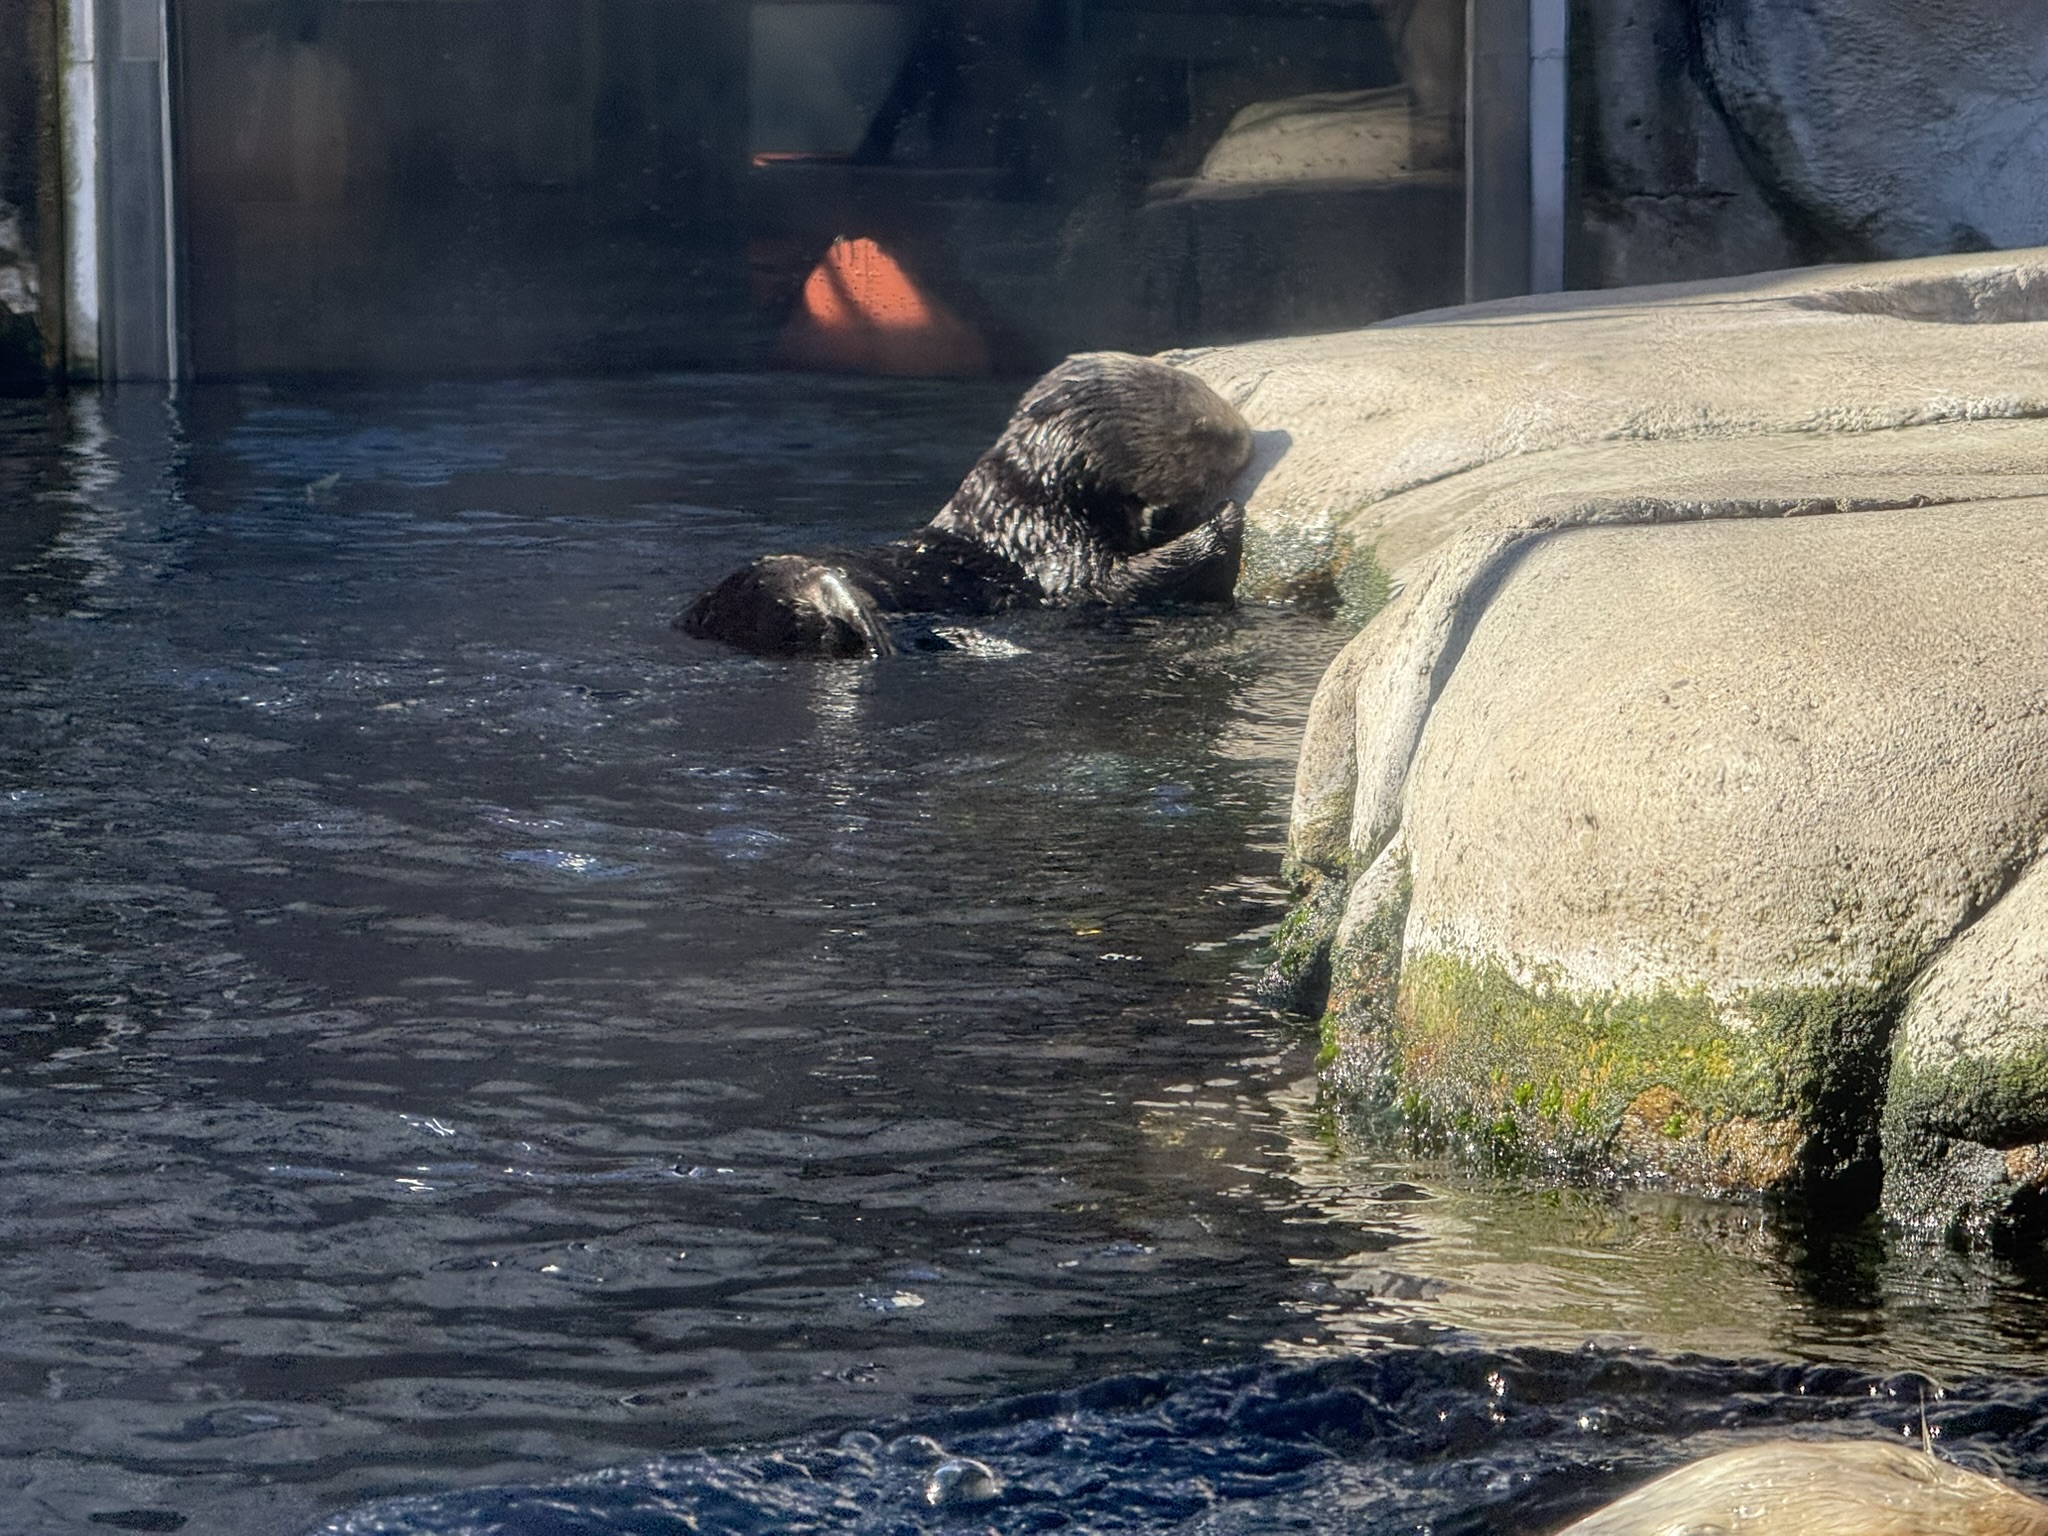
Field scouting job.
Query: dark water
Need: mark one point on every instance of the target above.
(455, 1031)
(1445, 1441)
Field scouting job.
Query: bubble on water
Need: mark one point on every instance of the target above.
(962, 1480)
(901, 1301)
(916, 1450)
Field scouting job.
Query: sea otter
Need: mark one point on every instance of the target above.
(1107, 486)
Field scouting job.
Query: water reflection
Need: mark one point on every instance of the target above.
(1445, 1249)
(386, 190)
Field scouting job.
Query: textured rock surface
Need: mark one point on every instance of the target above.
(1961, 92)
(1720, 136)
(1663, 192)
(1333, 136)
(1693, 807)
(1694, 764)
(1376, 444)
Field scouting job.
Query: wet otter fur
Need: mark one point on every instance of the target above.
(1107, 486)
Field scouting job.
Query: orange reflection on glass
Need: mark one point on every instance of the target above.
(860, 312)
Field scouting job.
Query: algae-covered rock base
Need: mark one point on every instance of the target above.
(1676, 815)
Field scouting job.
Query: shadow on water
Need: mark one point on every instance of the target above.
(1446, 1441)
(457, 1032)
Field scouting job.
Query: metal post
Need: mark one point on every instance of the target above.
(167, 170)
(139, 309)
(1497, 148)
(1549, 33)
(79, 159)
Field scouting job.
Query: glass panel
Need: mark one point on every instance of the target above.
(446, 185)
(818, 74)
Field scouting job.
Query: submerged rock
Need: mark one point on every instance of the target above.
(1822, 1488)
(1675, 817)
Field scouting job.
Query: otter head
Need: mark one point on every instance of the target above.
(789, 605)
(1141, 450)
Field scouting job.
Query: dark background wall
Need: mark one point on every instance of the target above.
(401, 185)
(1661, 191)
(30, 230)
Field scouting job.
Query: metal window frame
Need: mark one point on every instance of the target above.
(1516, 152)
(122, 316)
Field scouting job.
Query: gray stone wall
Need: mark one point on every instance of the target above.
(1715, 137)
(1662, 190)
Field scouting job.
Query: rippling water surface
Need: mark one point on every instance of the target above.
(456, 1032)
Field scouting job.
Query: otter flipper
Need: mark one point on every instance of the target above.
(1200, 566)
(933, 571)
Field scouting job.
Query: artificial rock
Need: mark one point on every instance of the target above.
(1676, 814)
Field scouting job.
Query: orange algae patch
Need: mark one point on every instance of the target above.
(862, 313)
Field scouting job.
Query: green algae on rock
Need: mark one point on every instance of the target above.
(1670, 1085)
(1966, 1107)
(1687, 814)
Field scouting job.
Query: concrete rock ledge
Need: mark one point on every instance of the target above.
(1378, 446)
(1677, 814)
